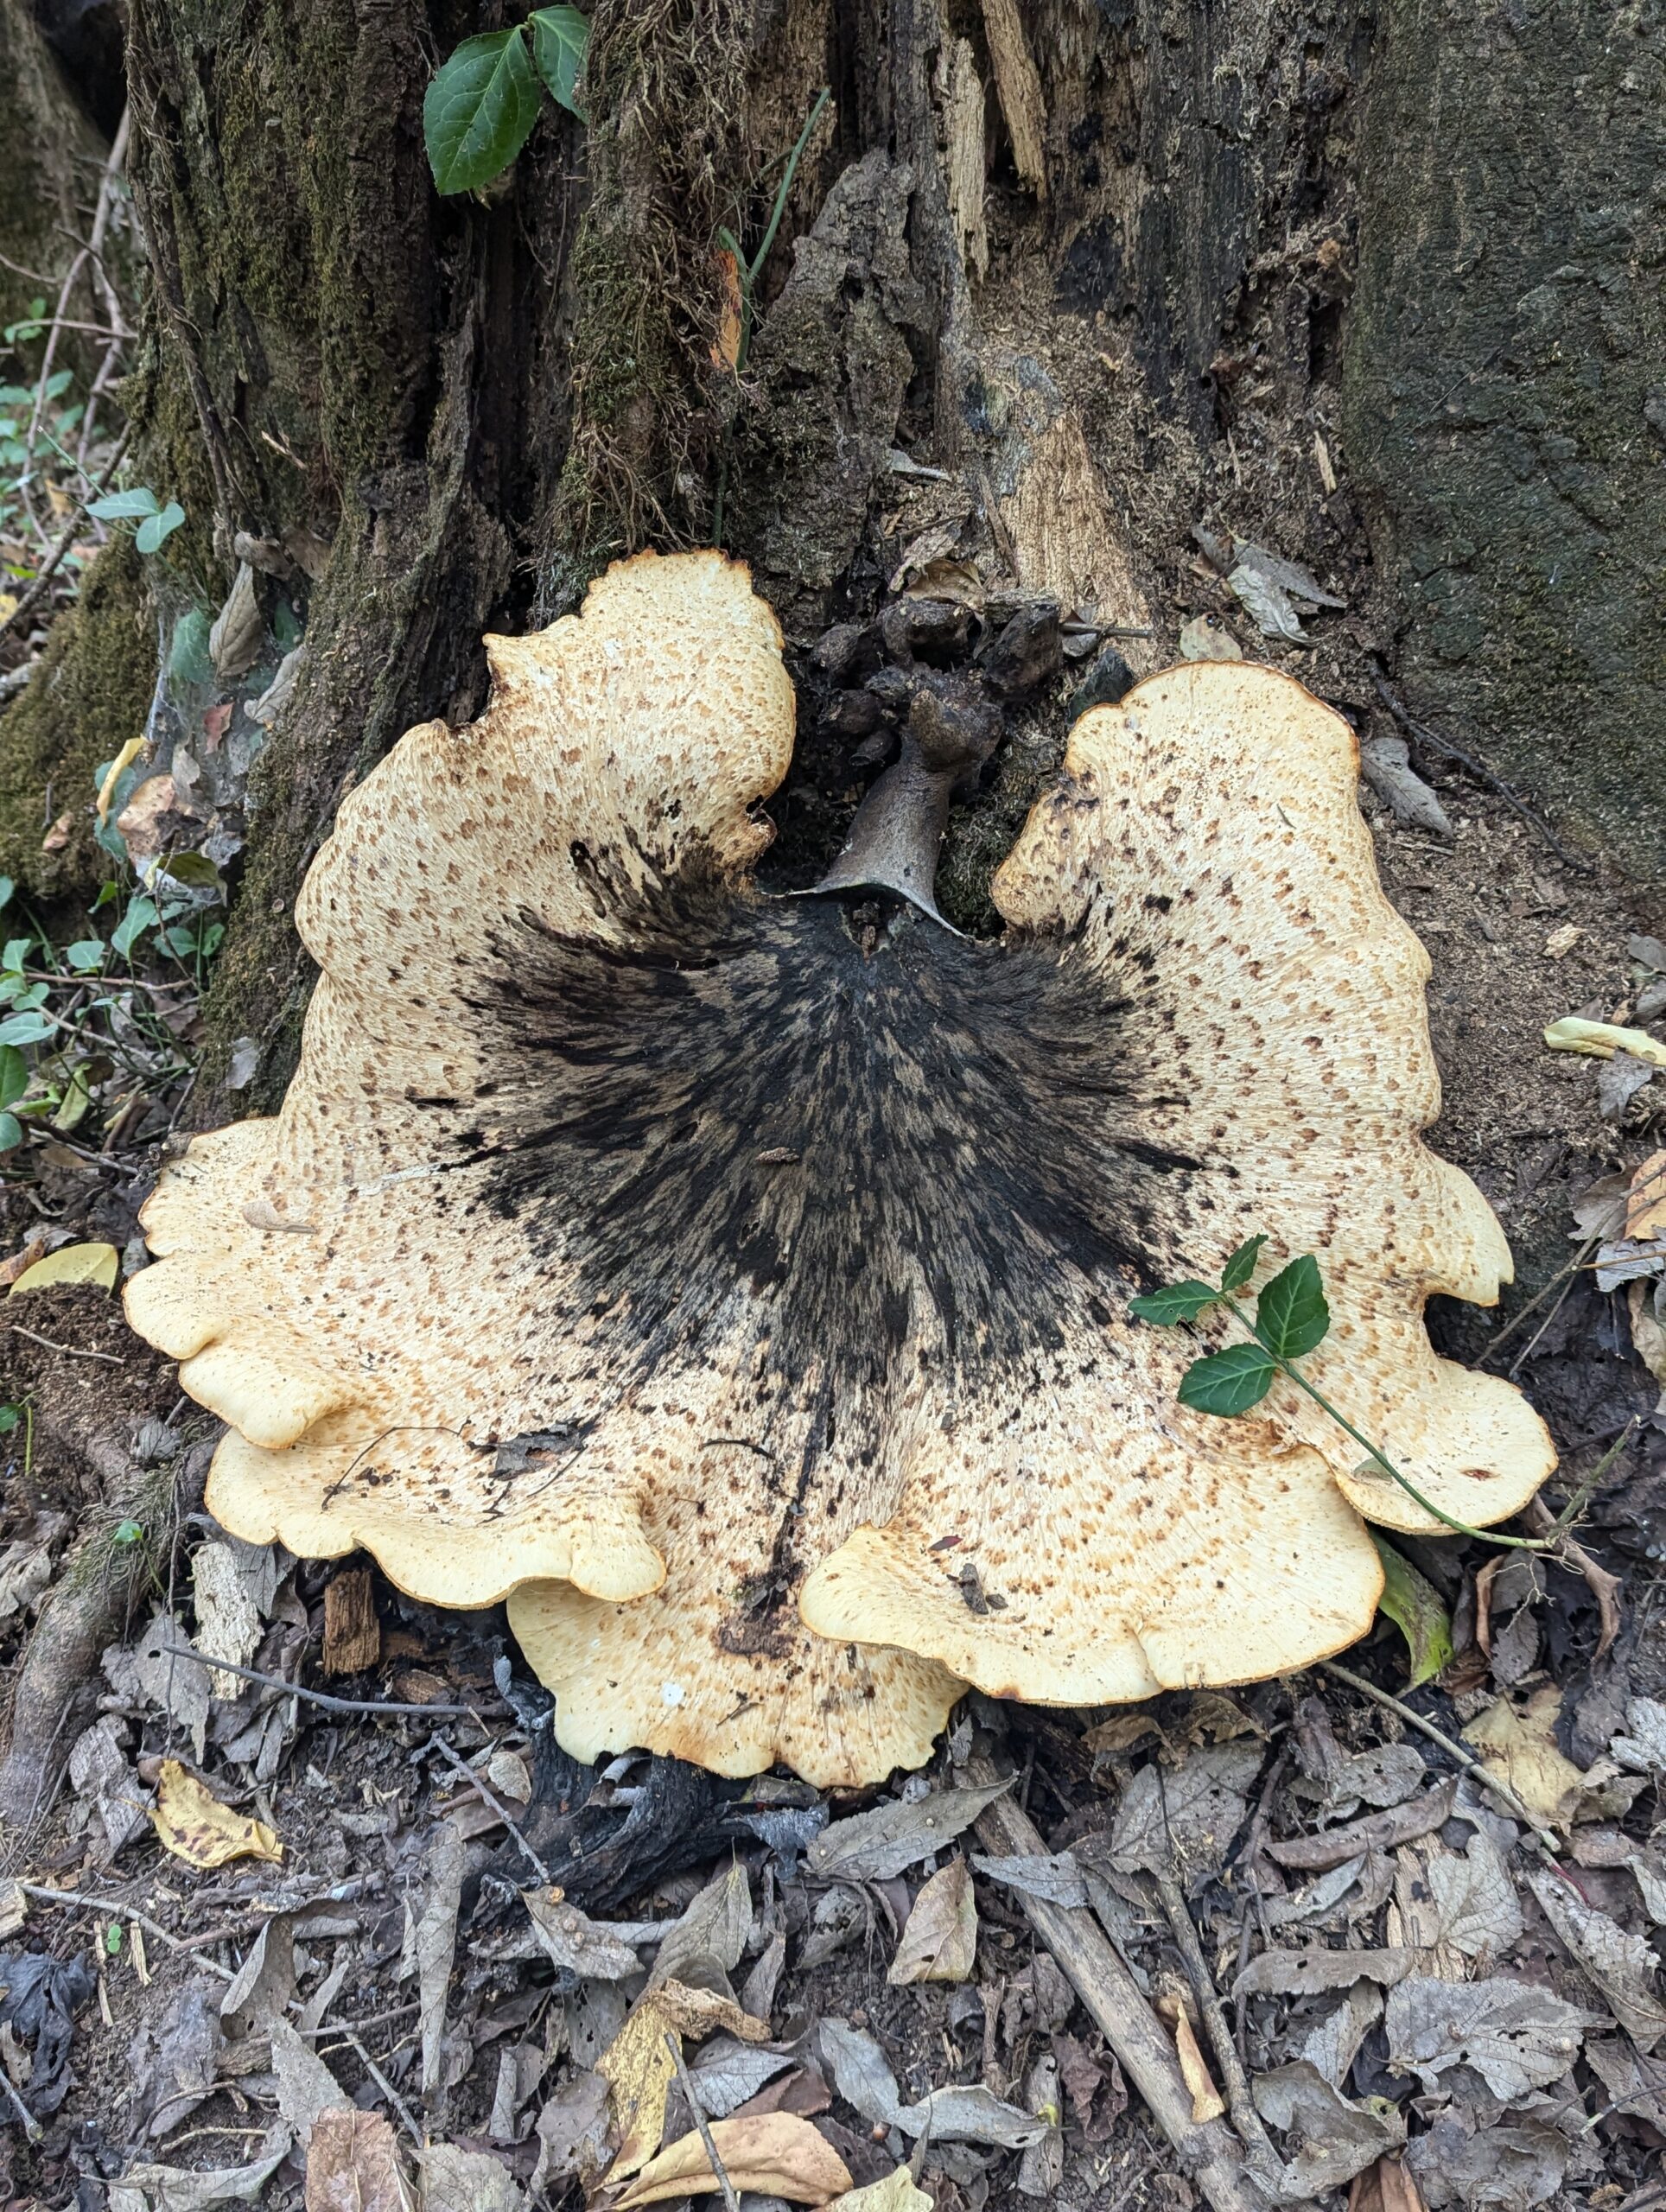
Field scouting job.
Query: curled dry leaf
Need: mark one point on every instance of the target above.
(1306, 1973)
(1207, 2103)
(1510, 2168)
(1621, 1964)
(1338, 2138)
(704, 1946)
(940, 1939)
(584, 1946)
(862, 2075)
(730, 2073)
(1642, 1746)
(1055, 1880)
(772, 2153)
(235, 639)
(1418, 1816)
(194, 1826)
(186, 2188)
(1184, 1820)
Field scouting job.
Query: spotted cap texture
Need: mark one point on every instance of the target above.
(742, 1289)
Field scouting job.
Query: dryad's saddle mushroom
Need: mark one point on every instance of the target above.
(739, 1284)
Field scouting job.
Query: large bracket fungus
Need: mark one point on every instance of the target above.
(739, 1284)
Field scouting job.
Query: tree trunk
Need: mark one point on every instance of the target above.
(1055, 286)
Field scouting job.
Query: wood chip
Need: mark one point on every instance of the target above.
(352, 1635)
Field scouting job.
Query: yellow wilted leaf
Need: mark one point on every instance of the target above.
(8, 605)
(896, 2193)
(939, 1943)
(194, 1826)
(99, 1263)
(124, 759)
(772, 2153)
(1520, 1747)
(1602, 1039)
(638, 2067)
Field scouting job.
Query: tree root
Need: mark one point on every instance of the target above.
(99, 1588)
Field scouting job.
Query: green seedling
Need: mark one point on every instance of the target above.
(1292, 1318)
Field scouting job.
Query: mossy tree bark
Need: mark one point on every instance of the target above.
(1092, 260)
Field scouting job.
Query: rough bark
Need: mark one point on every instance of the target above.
(1093, 262)
(1506, 399)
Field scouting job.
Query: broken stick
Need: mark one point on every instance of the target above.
(1209, 2155)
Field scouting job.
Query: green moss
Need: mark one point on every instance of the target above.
(669, 165)
(90, 696)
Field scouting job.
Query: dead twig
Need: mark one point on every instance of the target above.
(1209, 2154)
(336, 1704)
(1541, 1839)
(1239, 2101)
(385, 2085)
(84, 1902)
(69, 1351)
(731, 2200)
(461, 1769)
(32, 2126)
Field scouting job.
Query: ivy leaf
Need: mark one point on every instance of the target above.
(11, 1132)
(124, 507)
(1292, 1316)
(155, 531)
(84, 955)
(25, 1029)
(1176, 1301)
(479, 110)
(1414, 1605)
(559, 38)
(141, 915)
(1242, 1265)
(1229, 1382)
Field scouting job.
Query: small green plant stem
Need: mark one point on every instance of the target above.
(1376, 1453)
(746, 274)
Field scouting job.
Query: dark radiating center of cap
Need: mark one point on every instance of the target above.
(909, 1151)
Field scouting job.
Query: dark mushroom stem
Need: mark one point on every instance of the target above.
(897, 831)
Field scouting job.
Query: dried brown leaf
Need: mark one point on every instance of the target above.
(1621, 1964)
(939, 1941)
(1516, 2035)
(774, 2154)
(1419, 1816)
(873, 1845)
(353, 2165)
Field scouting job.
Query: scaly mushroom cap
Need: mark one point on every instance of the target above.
(746, 1295)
